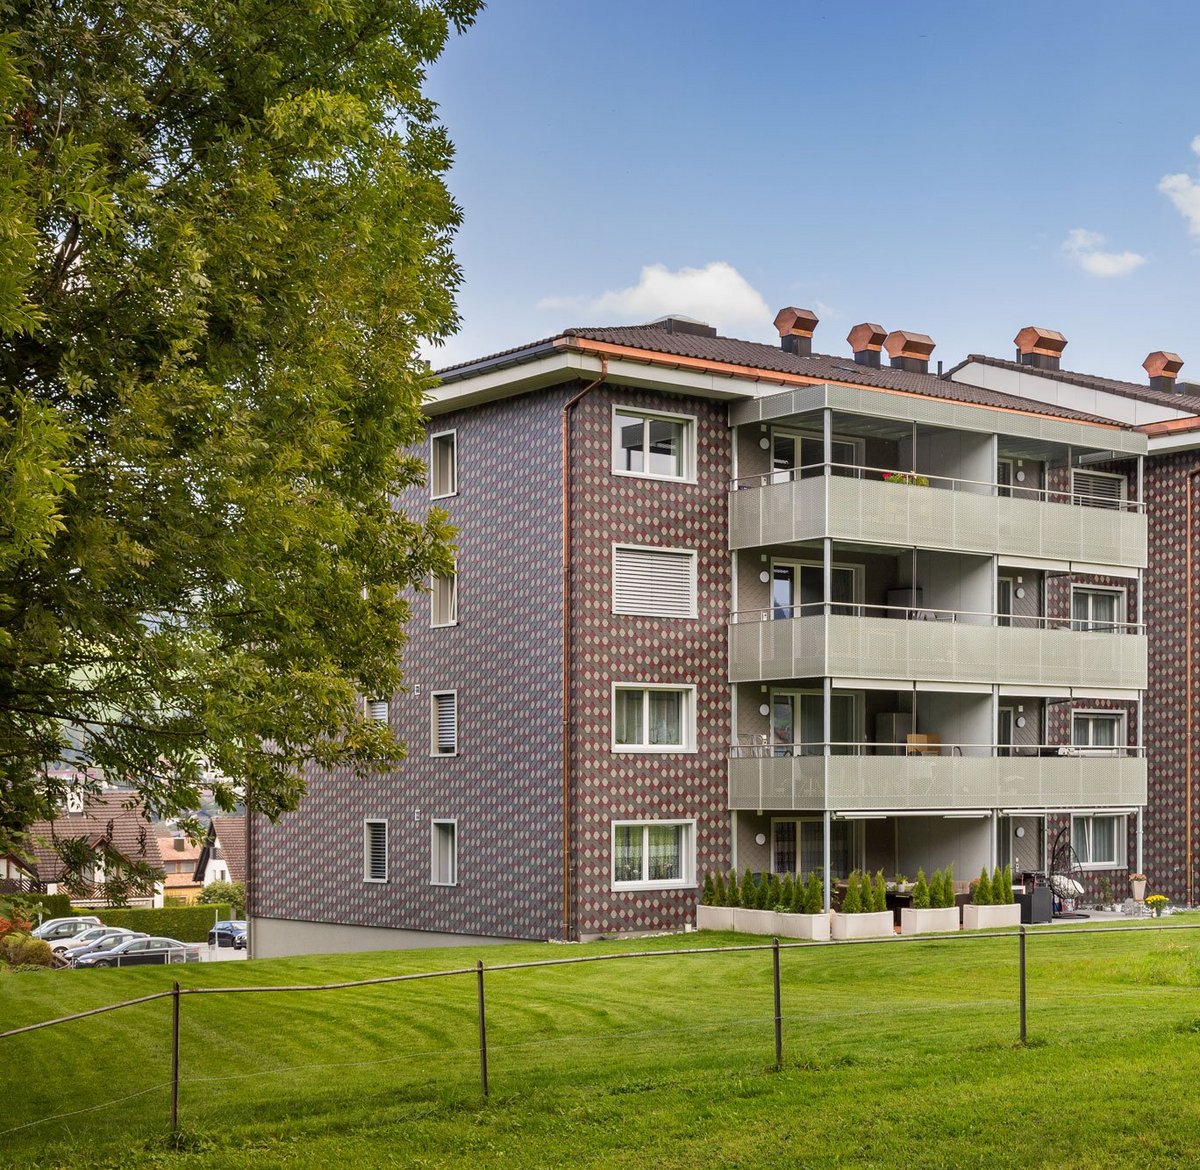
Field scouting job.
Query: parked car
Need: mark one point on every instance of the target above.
(239, 941)
(225, 932)
(105, 942)
(56, 928)
(60, 946)
(135, 952)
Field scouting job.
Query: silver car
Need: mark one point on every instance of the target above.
(135, 952)
(60, 946)
(103, 942)
(56, 928)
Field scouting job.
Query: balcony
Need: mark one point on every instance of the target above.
(761, 779)
(858, 504)
(883, 642)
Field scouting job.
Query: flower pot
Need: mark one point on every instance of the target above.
(1138, 889)
(932, 921)
(876, 924)
(714, 917)
(811, 926)
(753, 921)
(990, 917)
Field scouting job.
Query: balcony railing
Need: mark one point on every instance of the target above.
(764, 747)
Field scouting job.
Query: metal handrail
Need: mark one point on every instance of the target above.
(764, 746)
(926, 479)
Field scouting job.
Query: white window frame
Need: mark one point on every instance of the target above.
(434, 748)
(1090, 625)
(1119, 748)
(689, 442)
(1120, 841)
(687, 853)
(649, 548)
(436, 584)
(435, 492)
(435, 824)
(787, 476)
(1087, 500)
(688, 690)
(367, 876)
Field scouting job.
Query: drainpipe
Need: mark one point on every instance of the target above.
(1188, 602)
(568, 407)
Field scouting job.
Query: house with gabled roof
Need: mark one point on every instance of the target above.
(222, 856)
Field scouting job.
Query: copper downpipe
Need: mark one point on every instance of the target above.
(1189, 724)
(567, 409)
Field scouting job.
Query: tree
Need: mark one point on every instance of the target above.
(223, 235)
(231, 894)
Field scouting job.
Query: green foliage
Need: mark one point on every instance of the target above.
(50, 905)
(22, 950)
(879, 902)
(852, 902)
(814, 894)
(769, 892)
(948, 898)
(732, 893)
(786, 895)
(998, 887)
(185, 923)
(1009, 897)
(982, 894)
(718, 887)
(707, 893)
(224, 237)
(921, 897)
(749, 891)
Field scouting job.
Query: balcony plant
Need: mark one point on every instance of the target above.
(907, 477)
(933, 910)
(992, 904)
(858, 917)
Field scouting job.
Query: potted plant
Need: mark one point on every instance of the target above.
(714, 911)
(858, 917)
(751, 916)
(1137, 886)
(805, 916)
(1157, 903)
(992, 903)
(933, 909)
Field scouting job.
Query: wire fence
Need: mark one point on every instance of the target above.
(932, 1014)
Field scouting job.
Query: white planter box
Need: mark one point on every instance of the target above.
(753, 921)
(714, 917)
(944, 918)
(811, 926)
(1138, 889)
(990, 917)
(877, 924)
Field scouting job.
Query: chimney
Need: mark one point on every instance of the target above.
(1040, 348)
(796, 328)
(179, 843)
(909, 351)
(866, 340)
(1163, 368)
(677, 323)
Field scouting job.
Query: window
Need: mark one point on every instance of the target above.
(653, 718)
(1098, 489)
(798, 589)
(375, 856)
(656, 582)
(656, 445)
(653, 854)
(444, 607)
(445, 723)
(377, 710)
(802, 454)
(1097, 609)
(1098, 733)
(443, 464)
(1004, 477)
(798, 847)
(444, 857)
(1099, 841)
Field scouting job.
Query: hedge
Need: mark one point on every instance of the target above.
(53, 905)
(185, 923)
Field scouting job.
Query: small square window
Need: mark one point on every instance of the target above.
(1099, 841)
(1098, 610)
(444, 601)
(375, 851)
(444, 857)
(654, 718)
(1098, 733)
(443, 464)
(659, 446)
(653, 854)
(445, 723)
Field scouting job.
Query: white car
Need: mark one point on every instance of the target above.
(66, 946)
(65, 928)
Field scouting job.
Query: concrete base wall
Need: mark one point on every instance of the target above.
(277, 938)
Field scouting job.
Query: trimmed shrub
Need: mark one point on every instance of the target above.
(768, 896)
(921, 900)
(719, 889)
(852, 902)
(880, 901)
(787, 894)
(814, 894)
(708, 893)
(23, 950)
(998, 886)
(732, 894)
(1008, 886)
(948, 886)
(982, 894)
(52, 905)
(749, 891)
(185, 923)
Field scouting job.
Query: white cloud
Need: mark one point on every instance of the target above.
(1083, 247)
(1184, 192)
(716, 293)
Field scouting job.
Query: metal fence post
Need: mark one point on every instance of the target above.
(175, 1058)
(483, 1076)
(1022, 984)
(778, 1012)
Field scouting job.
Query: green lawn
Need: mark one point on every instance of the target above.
(899, 1054)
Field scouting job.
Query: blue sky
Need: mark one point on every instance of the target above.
(957, 169)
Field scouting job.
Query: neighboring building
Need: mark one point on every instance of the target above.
(179, 866)
(116, 819)
(1165, 410)
(222, 858)
(723, 605)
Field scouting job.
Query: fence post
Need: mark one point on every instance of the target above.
(1022, 984)
(175, 1058)
(778, 1012)
(483, 1076)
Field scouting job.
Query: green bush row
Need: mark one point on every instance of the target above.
(937, 893)
(994, 891)
(185, 923)
(786, 896)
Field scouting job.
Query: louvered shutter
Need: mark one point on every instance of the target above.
(654, 582)
(1097, 490)
(446, 723)
(377, 710)
(377, 869)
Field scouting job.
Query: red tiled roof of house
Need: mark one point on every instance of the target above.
(119, 817)
(231, 837)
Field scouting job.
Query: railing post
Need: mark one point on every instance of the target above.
(778, 1012)
(1022, 928)
(175, 1058)
(483, 1071)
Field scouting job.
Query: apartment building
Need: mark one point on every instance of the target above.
(722, 604)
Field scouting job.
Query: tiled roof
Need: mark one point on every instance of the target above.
(118, 816)
(231, 839)
(1183, 399)
(169, 848)
(773, 359)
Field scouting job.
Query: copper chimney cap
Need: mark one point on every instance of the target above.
(1162, 364)
(902, 344)
(1044, 342)
(792, 322)
(866, 336)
